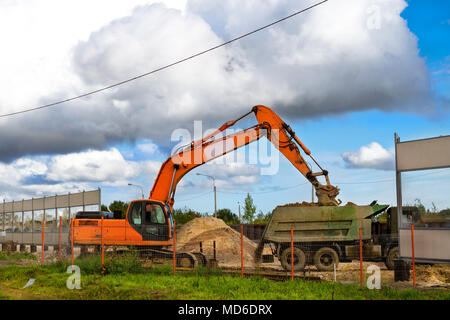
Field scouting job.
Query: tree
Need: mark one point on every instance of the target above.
(118, 205)
(104, 208)
(262, 218)
(181, 216)
(249, 209)
(227, 216)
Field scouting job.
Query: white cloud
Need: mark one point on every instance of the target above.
(148, 148)
(230, 174)
(323, 62)
(104, 166)
(372, 156)
(25, 177)
(38, 38)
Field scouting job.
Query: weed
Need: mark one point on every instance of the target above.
(16, 256)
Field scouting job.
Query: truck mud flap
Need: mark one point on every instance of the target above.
(268, 258)
(369, 251)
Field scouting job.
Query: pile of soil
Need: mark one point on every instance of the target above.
(311, 204)
(228, 241)
(351, 204)
(435, 275)
(302, 204)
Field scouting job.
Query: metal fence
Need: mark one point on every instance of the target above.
(22, 221)
(232, 252)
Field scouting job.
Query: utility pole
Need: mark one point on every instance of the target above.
(239, 206)
(214, 188)
(215, 201)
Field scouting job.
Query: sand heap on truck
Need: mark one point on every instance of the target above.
(228, 241)
(311, 204)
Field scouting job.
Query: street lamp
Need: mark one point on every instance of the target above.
(136, 185)
(214, 184)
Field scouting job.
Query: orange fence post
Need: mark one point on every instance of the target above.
(174, 250)
(43, 241)
(292, 254)
(72, 233)
(242, 250)
(413, 259)
(59, 242)
(102, 244)
(360, 257)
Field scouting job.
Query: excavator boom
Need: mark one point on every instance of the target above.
(210, 147)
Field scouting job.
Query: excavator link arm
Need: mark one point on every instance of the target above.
(210, 147)
(326, 194)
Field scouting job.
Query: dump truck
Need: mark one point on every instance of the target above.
(325, 235)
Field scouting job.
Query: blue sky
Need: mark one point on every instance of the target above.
(342, 88)
(431, 24)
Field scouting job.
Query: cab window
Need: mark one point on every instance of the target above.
(136, 214)
(154, 214)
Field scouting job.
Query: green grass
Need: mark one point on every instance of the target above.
(125, 278)
(16, 256)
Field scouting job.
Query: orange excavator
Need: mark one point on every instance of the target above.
(149, 224)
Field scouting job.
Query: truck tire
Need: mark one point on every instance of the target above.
(299, 259)
(391, 256)
(325, 258)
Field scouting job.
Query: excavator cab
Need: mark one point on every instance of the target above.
(150, 219)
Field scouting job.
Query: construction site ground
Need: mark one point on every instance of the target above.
(160, 283)
(427, 276)
(212, 232)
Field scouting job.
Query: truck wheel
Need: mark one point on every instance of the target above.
(325, 258)
(299, 259)
(391, 256)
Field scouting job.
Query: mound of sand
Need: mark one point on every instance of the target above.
(228, 241)
(311, 204)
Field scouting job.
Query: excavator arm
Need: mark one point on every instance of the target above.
(211, 147)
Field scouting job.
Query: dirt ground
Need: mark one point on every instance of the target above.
(427, 276)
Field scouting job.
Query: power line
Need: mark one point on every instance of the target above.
(366, 182)
(390, 180)
(197, 196)
(261, 192)
(161, 68)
